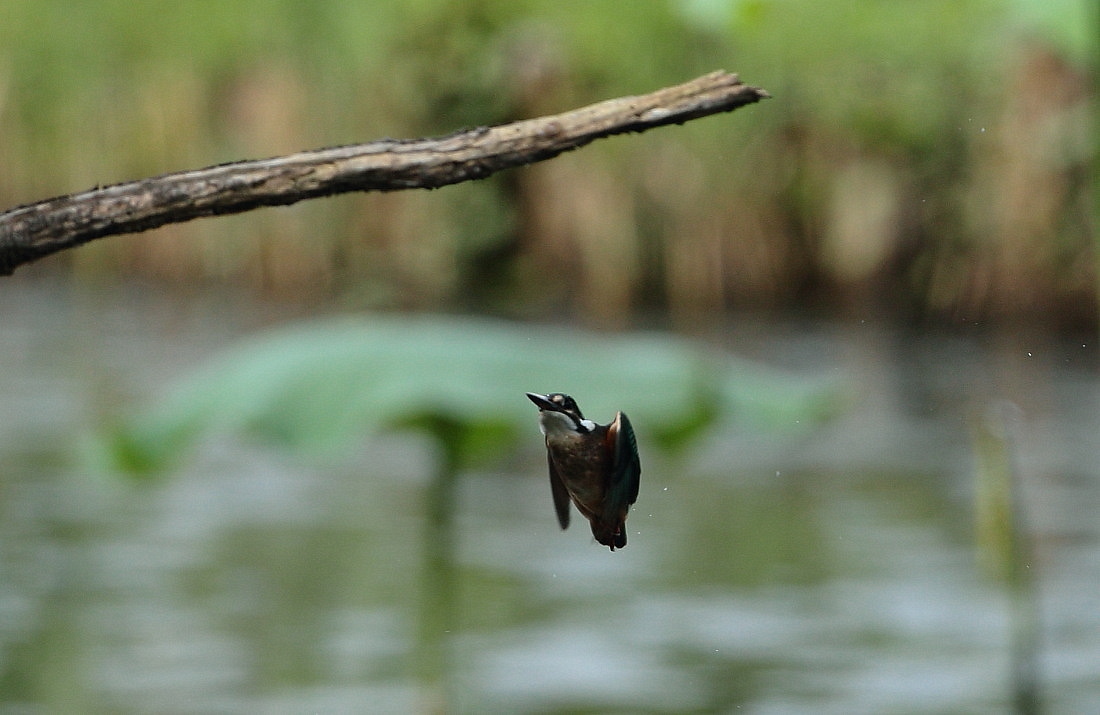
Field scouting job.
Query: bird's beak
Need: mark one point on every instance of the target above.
(542, 402)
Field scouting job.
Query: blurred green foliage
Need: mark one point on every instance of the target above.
(929, 158)
(320, 386)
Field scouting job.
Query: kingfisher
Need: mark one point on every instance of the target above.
(595, 466)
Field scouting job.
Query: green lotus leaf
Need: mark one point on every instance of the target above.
(319, 386)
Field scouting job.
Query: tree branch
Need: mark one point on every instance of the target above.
(35, 230)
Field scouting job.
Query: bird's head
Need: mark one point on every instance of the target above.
(558, 413)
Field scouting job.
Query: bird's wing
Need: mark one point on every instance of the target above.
(626, 467)
(561, 496)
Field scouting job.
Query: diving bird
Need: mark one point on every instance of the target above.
(595, 466)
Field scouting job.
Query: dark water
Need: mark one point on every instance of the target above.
(826, 568)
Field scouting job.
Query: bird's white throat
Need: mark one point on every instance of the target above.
(557, 424)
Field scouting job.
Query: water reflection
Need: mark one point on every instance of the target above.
(810, 570)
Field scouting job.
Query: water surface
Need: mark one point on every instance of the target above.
(827, 568)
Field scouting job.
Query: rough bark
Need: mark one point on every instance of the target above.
(39, 229)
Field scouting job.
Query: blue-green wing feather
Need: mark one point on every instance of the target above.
(626, 467)
(561, 495)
